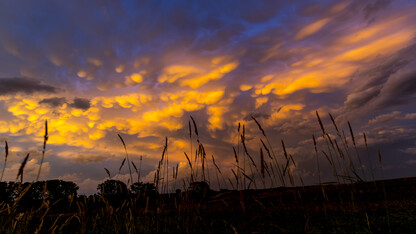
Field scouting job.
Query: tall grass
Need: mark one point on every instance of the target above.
(6, 153)
(279, 208)
(127, 157)
(45, 139)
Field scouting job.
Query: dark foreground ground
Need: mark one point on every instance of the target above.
(387, 206)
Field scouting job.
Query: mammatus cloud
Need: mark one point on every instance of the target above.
(53, 102)
(78, 103)
(144, 74)
(24, 85)
(81, 103)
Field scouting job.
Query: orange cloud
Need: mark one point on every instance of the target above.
(311, 29)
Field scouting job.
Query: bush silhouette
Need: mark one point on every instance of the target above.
(115, 191)
(199, 189)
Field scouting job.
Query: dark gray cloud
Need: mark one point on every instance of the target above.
(401, 90)
(375, 6)
(360, 98)
(371, 82)
(256, 115)
(53, 102)
(24, 85)
(81, 103)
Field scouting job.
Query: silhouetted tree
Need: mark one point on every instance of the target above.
(7, 192)
(58, 189)
(51, 190)
(114, 191)
(199, 189)
(142, 188)
(144, 191)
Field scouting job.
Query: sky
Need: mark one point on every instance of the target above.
(95, 69)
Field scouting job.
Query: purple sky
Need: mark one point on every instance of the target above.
(95, 69)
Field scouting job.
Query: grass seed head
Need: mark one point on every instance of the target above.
(320, 123)
(352, 133)
(122, 164)
(21, 168)
(108, 172)
(195, 128)
(258, 125)
(314, 143)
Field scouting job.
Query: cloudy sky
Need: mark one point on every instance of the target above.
(95, 69)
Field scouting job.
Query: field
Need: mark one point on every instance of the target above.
(359, 207)
(349, 205)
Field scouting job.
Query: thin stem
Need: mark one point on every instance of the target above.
(45, 139)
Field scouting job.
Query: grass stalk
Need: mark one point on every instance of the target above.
(368, 157)
(331, 158)
(140, 168)
(317, 159)
(356, 151)
(190, 166)
(108, 173)
(21, 168)
(384, 190)
(6, 154)
(127, 157)
(45, 139)
(277, 165)
(251, 159)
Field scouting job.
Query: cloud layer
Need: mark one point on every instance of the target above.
(141, 69)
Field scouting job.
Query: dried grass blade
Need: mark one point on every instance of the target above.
(333, 122)
(327, 157)
(352, 133)
(235, 155)
(190, 129)
(267, 149)
(122, 164)
(287, 165)
(258, 124)
(235, 175)
(6, 151)
(108, 172)
(284, 149)
(122, 141)
(189, 161)
(248, 177)
(45, 139)
(127, 157)
(314, 143)
(195, 128)
(339, 150)
(21, 168)
(379, 158)
(135, 168)
(215, 164)
(365, 139)
(320, 123)
(261, 162)
(293, 161)
(245, 150)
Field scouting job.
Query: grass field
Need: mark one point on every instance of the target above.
(355, 203)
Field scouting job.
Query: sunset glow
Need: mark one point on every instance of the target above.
(141, 70)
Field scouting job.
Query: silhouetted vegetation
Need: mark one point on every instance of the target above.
(276, 205)
(114, 191)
